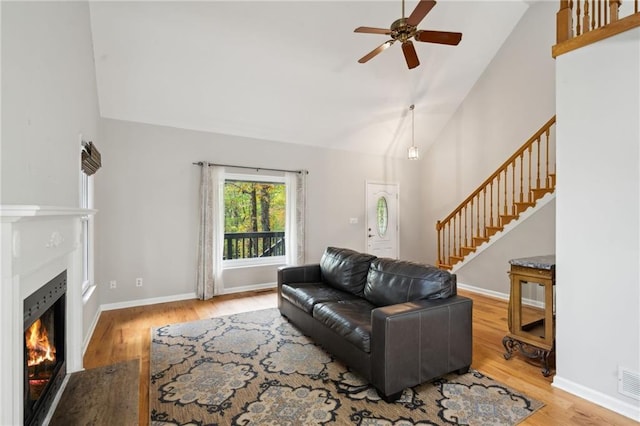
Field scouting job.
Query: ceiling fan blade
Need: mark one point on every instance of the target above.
(375, 51)
(371, 30)
(420, 12)
(410, 54)
(441, 37)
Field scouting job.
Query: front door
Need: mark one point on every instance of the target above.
(382, 219)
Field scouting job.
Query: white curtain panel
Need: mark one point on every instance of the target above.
(217, 173)
(295, 221)
(209, 272)
(204, 273)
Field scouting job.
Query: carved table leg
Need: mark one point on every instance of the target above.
(532, 352)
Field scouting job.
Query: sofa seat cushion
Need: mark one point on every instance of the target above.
(345, 269)
(390, 282)
(349, 318)
(306, 295)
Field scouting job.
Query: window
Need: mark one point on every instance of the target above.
(90, 162)
(254, 219)
(86, 202)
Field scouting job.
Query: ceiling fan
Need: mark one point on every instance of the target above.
(404, 29)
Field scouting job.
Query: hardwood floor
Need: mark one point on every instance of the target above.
(125, 334)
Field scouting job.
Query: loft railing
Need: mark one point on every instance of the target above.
(515, 186)
(248, 245)
(582, 22)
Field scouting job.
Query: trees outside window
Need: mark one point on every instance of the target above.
(254, 218)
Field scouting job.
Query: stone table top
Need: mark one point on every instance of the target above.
(547, 262)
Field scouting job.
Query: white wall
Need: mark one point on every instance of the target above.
(533, 236)
(512, 99)
(148, 201)
(48, 99)
(597, 236)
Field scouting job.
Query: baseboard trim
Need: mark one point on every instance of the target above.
(255, 287)
(483, 291)
(178, 297)
(145, 302)
(606, 401)
(92, 328)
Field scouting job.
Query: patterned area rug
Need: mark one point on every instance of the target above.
(256, 368)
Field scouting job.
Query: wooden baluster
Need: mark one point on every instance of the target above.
(466, 222)
(448, 241)
(438, 229)
(498, 195)
(478, 218)
(547, 177)
(484, 214)
(459, 234)
(453, 252)
(606, 13)
(539, 145)
(599, 13)
(578, 28)
(635, 6)
(564, 26)
(593, 14)
(513, 185)
(613, 9)
(585, 22)
(491, 204)
(529, 187)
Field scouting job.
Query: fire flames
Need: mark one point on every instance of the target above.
(39, 349)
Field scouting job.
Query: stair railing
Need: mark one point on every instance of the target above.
(582, 22)
(526, 176)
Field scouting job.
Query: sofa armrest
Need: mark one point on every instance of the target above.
(299, 274)
(415, 342)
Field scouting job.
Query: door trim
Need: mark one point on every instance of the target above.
(366, 216)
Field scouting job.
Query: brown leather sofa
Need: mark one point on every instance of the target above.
(397, 323)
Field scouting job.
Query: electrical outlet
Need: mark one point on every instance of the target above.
(112, 284)
(138, 282)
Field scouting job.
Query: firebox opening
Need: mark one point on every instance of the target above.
(44, 348)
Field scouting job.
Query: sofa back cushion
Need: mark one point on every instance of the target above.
(392, 281)
(345, 269)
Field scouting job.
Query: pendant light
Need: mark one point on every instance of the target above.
(413, 153)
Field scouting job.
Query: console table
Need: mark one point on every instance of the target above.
(532, 309)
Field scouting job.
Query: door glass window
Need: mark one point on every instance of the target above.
(382, 214)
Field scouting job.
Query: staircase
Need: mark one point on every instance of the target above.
(517, 185)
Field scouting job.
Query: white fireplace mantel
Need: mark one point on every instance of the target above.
(37, 243)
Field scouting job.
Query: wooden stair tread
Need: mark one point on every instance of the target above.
(490, 231)
(506, 218)
(445, 266)
(467, 250)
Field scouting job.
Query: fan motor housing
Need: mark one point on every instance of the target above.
(401, 31)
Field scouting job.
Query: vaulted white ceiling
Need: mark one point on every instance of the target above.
(288, 71)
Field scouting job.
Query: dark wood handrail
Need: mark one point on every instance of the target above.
(500, 170)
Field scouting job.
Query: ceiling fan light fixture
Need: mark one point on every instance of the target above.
(413, 153)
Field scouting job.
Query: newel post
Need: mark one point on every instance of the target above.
(564, 21)
(613, 9)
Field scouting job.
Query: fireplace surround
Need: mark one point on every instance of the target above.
(38, 244)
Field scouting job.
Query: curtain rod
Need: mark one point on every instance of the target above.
(202, 163)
